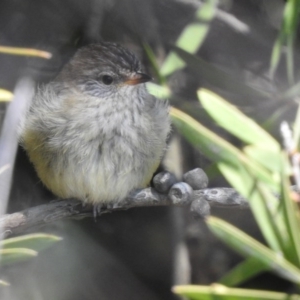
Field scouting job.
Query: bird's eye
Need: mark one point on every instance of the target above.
(106, 79)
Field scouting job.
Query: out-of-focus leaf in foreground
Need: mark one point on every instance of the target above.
(249, 247)
(247, 176)
(35, 241)
(192, 37)
(5, 95)
(13, 255)
(159, 91)
(286, 38)
(25, 52)
(23, 247)
(221, 292)
(245, 270)
(235, 122)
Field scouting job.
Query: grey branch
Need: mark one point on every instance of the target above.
(175, 194)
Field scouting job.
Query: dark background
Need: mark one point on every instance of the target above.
(140, 253)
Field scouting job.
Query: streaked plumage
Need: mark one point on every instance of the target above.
(93, 141)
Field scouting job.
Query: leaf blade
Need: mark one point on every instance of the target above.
(35, 241)
(235, 122)
(218, 291)
(249, 247)
(191, 38)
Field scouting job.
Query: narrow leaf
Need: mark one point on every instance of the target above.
(191, 38)
(159, 91)
(25, 52)
(35, 241)
(290, 59)
(290, 212)
(243, 272)
(291, 92)
(213, 146)
(286, 38)
(249, 247)
(12, 255)
(4, 283)
(263, 155)
(276, 53)
(234, 121)
(242, 173)
(221, 292)
(263, 204)
(5, 95)
(153, 62)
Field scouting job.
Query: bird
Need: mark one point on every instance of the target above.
(94, 133)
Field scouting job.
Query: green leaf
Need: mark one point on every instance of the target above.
(217, 77)
(213, 146)
(291, 92)
(263, 204)
(290, 213)
(243, 272)
(276, 53)
(159, 91)
(249, 247)
(25, 52)
(235, 122)
(212, 171)
(242, 173)
(35, 241)
(290, 17)
(5, 95)
(4, 283)
(286, 38)
(12, 255)
(153, 62)
(277, 116)
(266, 157)
(290, 59)
(221, 292)
(202, 138)
(192, 37)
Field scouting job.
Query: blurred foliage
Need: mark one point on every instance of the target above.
(286, 39)
(7, 95)
(191, 38)
(217, 291)
(256, 175)
(25, 52)
(258, 171)
(24, 247)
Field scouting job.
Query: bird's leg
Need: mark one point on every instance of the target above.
(97, 208)
(100, 207)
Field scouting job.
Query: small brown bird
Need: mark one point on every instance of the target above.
(95, 133)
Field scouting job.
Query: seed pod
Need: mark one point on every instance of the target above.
(180, 193)
(196, 178)
(163, 181)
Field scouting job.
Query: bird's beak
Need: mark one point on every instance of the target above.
(137, 78)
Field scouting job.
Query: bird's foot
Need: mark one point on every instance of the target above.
(99, 208)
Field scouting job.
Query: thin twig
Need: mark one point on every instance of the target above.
(33, 217)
